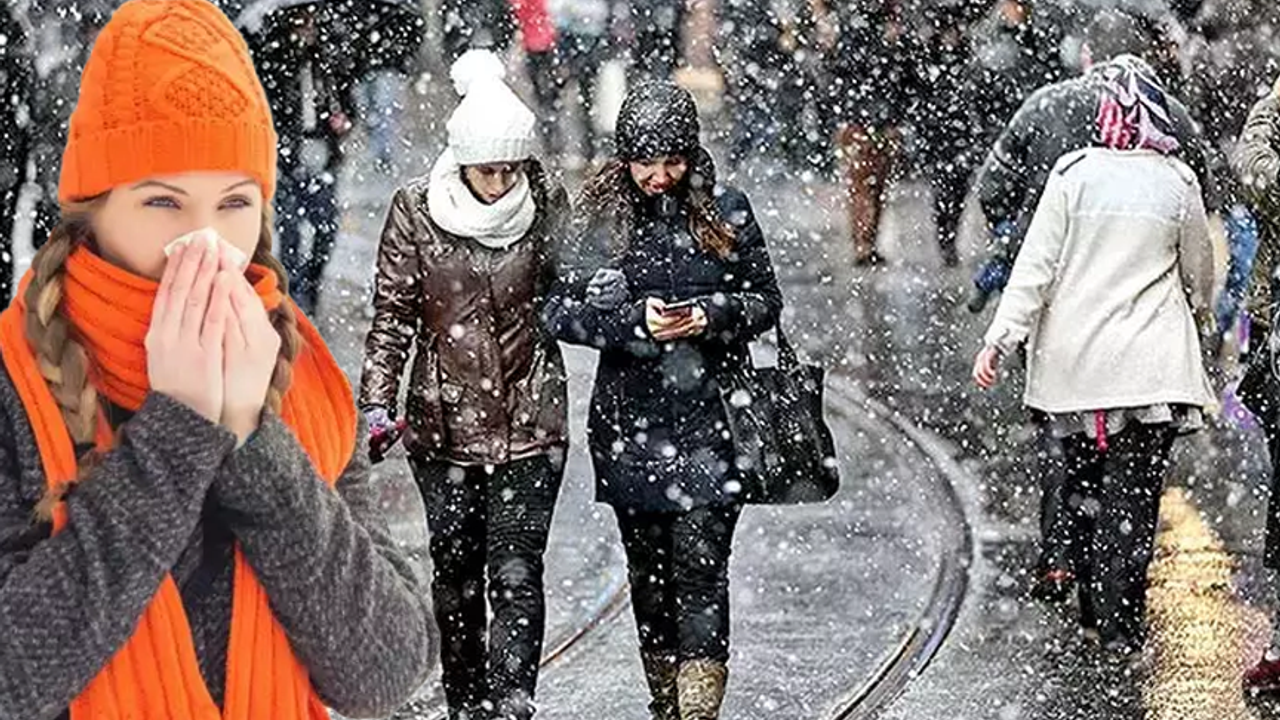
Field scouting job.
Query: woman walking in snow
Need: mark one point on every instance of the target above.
(670, 278)
(1112, 291)
(463, 265)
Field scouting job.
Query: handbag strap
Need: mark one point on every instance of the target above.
(787, 358)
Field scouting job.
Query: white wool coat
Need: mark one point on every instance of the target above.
(1115, 270)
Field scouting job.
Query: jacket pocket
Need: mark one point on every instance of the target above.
(541, 404)
(425, 412)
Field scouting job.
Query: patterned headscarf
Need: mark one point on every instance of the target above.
(1133, 113)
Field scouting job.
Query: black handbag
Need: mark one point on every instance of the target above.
(785, 452)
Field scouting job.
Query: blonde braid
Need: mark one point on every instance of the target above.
(63, 361)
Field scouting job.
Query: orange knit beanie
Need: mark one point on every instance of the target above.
(169, 88)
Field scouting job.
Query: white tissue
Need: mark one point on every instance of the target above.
(210, 237)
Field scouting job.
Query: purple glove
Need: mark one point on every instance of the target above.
(384, 433)
(379, 420)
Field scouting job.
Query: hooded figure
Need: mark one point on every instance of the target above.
(1112, 292)
(668, 276)
(463, 266)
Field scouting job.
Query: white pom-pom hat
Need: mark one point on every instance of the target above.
(491, 124)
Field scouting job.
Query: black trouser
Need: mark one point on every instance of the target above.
(950, 187)
(489, 526)
(583, 56)
(678, 565)
(1056, 523)
(659, 28)
(545, 74)
(1114, 501)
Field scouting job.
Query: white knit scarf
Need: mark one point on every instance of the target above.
(457, 210)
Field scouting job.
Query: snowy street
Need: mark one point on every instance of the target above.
(835, 604)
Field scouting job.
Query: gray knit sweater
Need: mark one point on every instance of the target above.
(172, 497)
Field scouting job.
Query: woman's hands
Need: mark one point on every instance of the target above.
(211, 345)
(986, 367)
(251, 349)
(665, 325)
(188, 322)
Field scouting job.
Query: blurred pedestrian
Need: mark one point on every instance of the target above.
(17, 71)
(1258, 164)
(947, 122)
(584, 31)
(1233, 61)
(388, 37)
(1053, 121)
(1113, 292)
(463, 266)
(1016, 50)
(667, 274)
(469, 24)
(190, 525)
(659, 38)
(871, 66)
(766, 82)
(309, 90)
(538, 37)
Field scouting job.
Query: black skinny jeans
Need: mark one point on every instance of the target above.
(1113, 500)
(1056, 523)
(679, 570)
(489, 527)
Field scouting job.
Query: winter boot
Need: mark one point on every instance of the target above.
(660, 670)
(701, 688)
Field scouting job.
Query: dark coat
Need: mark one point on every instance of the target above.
(1009, 63)
(1056, 120)
(488, 382)
(873, 78)
(657, 429)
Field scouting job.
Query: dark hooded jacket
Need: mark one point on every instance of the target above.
(1056, 120)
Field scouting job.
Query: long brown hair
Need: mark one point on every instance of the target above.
(63, 361)
(609, 197)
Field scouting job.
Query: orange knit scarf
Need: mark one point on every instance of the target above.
(156, 675)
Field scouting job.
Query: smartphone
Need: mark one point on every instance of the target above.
(684, 307)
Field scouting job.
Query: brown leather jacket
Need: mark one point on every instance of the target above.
(488, 382)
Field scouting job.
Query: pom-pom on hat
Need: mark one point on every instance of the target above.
(491, 124)
(169, 88)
